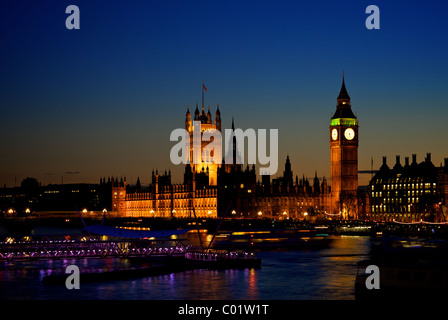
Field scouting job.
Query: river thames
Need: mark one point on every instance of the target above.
(293, 274)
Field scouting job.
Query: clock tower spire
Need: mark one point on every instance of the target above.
(344, 157)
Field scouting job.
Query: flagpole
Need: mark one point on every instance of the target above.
(202, 94)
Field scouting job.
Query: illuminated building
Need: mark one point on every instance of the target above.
(344, 158)
(211, 189)
(206, 123)
(409, 193)
(164, 200)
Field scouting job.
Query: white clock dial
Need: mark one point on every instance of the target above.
(334, 134)
(349, 134)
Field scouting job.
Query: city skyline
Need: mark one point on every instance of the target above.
(101, 101)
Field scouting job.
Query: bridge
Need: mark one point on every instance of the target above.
(87, 247)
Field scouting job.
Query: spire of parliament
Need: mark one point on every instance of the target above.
(343, 109)
(343, 94)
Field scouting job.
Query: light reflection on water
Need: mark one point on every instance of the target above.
(285, 274)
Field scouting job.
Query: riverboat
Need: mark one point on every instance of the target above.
(271, 239)
(219, 259)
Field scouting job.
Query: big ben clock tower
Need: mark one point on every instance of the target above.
(344, 157)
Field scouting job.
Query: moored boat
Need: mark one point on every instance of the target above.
(217, 259)
(271, 238)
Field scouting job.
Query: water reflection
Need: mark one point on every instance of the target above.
(252, 289)
(285, 274)
(337, 267)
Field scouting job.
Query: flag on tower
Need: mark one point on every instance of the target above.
(203, 86)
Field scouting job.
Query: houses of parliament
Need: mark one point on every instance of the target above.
(412, 192)
(212, 190)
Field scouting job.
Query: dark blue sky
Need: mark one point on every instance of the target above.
(103, 100)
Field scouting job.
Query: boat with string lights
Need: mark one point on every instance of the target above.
(221, 259)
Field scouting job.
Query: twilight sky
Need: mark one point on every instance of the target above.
(102, 101)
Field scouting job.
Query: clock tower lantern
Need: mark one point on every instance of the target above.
(344, 157)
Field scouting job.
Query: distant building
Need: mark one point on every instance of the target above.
(409, 193)
(31, 197)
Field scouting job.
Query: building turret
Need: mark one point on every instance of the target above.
(188, 122)
(119, 196)
(203, 116)
(209, 116)
(316, 184)
(288, 174)
(188, 175)
(324, 186)
(196, 113)
(218, 119)
(138, 185)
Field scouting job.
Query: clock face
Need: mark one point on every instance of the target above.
(349, 133)
(334, 134)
